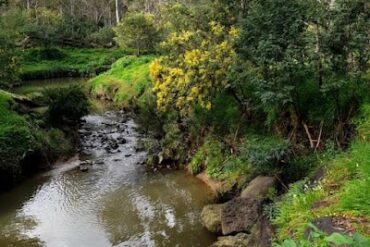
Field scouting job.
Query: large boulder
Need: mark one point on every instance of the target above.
(240, 215)
(211, 217)
(259, 187)
(240, 240)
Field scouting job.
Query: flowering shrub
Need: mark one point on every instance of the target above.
(194, 68)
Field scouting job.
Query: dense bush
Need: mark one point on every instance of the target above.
(138, 31)
(66, 105)
(24, 147)
(103, 37)
(266, 154)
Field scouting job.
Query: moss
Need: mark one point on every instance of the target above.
(127, 79)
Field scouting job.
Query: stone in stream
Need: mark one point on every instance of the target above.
(259, 187)
(99, 162)
(211, 217)
(121, 140)
(240, 215)
(239, 240)
(84, 166)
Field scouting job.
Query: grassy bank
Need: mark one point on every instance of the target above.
(43, 63)
(341, 193)
(26, 145)
(127, 79)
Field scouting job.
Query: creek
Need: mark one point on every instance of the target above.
(117, 202)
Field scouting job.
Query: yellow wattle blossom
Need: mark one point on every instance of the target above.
(216, 28)
(234, 32)
(195, 67)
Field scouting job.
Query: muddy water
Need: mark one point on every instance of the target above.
(115, 203)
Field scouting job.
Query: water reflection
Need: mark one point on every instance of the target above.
(115, 204)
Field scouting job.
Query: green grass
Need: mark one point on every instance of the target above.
(37, 63)
(215, 158)
(20, 134)
(16, 138)
(127, 79)
(343, 192)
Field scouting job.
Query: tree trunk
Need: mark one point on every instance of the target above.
(117, 12)
(28, 5)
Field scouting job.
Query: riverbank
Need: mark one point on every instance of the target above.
(229, 163)
(46, 63)
(25, 146)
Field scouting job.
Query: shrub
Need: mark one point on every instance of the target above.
(137, 31)
(49, 54)
(66, 105)
(103, 37)
(266, 154)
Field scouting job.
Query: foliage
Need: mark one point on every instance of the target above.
(66, 105)
(266, 154)
(8, 60)
(20, 139)
(344, 188)
(16, 139)
(224, 117)
(127, 79)
(218, 162)
(104, 36)
(137, 31)
(335, 239)
(194, 67)
(209, 157)
(37, 63)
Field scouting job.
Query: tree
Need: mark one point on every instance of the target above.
(137, 31)
(8, 61)
(194, 68)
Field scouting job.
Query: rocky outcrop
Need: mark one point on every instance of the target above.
(259, 187)
(240, 215)
(211, 217)
(240, 240)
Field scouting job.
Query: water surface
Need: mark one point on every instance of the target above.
(115, 203)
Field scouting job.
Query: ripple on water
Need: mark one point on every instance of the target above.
(116, 203)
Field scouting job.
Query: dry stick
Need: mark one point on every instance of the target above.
(309, 135)
(285, 187)
(319, 139)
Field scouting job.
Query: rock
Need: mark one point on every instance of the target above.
(325, 224)
(259, 187)
(240, 215)
(239, 240)
(262, 234)
(122, 140)
(114, 145)
(99, 162)
(211, 217)
(84, 167)
(128, 155)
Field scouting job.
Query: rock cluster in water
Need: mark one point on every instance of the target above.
(106, 137)
(240, 220)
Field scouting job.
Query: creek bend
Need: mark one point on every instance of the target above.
(116, 203)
